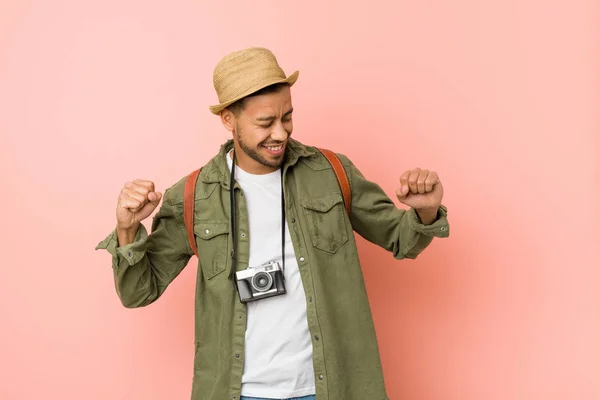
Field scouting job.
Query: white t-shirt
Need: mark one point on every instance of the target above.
(278, 356)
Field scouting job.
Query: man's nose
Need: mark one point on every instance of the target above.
(279, 133)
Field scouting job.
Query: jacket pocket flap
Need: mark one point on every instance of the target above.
(322, 204)
(209, 229)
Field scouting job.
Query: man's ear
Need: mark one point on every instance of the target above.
(228, 119)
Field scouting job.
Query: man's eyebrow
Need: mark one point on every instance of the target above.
(272, 117)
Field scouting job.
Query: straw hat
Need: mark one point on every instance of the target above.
(244, 72)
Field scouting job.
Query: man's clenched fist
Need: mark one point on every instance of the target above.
(136, 202)
(422, 190)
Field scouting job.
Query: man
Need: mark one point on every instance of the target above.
(313, 335)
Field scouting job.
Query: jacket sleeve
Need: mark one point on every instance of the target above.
(376, 218)
(143, 269)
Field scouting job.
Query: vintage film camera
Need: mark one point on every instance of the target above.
(260, 282)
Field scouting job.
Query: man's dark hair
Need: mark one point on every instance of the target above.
(237, 107)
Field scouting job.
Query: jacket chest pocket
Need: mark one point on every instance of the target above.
(326, 220)
(212, 239)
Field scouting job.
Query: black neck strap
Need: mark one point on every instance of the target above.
(233, 218)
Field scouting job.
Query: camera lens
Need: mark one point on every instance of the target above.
(262, 281)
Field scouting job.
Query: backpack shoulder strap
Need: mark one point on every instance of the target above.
(190, 189)
(342, 178)
(188, 208)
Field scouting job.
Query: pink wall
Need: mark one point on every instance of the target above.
(497, 96)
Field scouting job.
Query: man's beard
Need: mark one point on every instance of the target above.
(253, 153)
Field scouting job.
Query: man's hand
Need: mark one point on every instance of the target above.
(422, 190)
(136, 202)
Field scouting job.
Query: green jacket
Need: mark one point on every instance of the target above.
(345, 351)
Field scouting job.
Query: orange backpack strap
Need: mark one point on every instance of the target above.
(188, 208)
(190, 189)
(342, 178)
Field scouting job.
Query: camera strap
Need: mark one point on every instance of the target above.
(233, 217)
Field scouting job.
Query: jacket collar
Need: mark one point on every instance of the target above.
(217, 170)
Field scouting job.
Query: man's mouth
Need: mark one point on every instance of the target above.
(274, 149)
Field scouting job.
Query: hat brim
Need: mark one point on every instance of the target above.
(290, 80)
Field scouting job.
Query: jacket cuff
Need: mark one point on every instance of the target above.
(132, 253)
(439, 228)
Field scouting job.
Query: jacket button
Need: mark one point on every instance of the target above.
(293, 220)
(301, 259)
(321, 377)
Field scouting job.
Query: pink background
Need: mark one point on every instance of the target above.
(500, 97)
